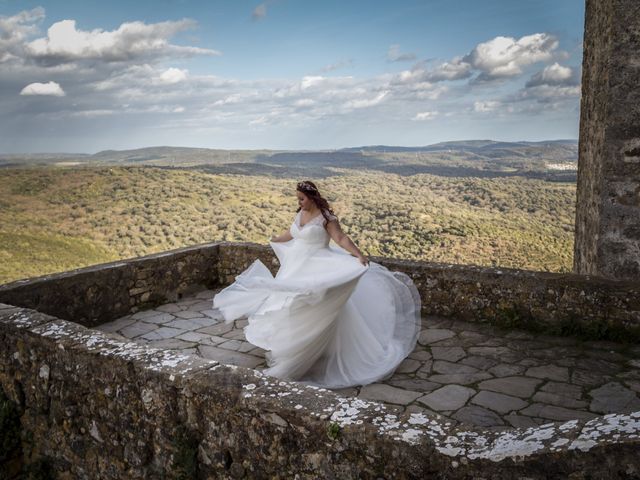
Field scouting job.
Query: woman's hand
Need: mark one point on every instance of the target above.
(363, 260)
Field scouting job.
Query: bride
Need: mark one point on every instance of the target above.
(329, 317)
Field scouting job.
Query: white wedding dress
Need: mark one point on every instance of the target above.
(324, 319)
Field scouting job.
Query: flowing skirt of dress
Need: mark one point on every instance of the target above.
(325, 319)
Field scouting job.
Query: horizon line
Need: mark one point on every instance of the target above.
(293, 150)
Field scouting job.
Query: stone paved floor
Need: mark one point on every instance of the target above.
(468, 372)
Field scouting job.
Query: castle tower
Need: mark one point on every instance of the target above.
(607, 241)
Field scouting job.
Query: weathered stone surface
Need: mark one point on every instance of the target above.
(201, 306)
(173, 344)
(433, 335)
(408, 365)
(633, 385)
(389, 394)
(460, 378)
(499, 353)
(241, 323)
(565, 389)
(162, 333)
(492, 345)
(613, 397)
(449, 397)
(559, 400)
(215, 314)
(506, 370)
(498, 402)
(414, 384)
(608, 204)
(549, 372)
(478, 416)
(450, 354)
(560, 394)
(218, 329)
(168, 308)
(245, 347)
(420, 355)
(202, 406)
(160, 318)
(520, 421)
(540, 299)
(231, 344)
(138, 329)
(205, 294)
(482, 363)
(517, 386)
(229, 356)
(117, 324)
(552, 412)
(188, 314)
(234, 335)
(197, 337)
(588, 378)
(441, 366)
(144, 314)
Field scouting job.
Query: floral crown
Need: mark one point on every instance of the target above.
(306, 186)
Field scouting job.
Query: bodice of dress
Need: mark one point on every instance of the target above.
(312, 232)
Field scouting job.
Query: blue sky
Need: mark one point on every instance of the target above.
(82, 76)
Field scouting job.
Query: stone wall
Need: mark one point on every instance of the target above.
(607, 239)
(565, 304)
(95, 406)
(94, 295)
(555, 303)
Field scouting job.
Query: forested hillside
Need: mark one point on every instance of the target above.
(512, 210)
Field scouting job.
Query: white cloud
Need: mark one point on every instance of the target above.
(554, 74)
(15, 29)
(131, 41)
(126, 74)
(173, 75)
(394, 55)
(304, 102)
(549, 93)
(49, 88)
(311, 81)
(486, 106)
(505, 56)
(422, 116)
(455, 70)
(500, 57)
(92, 113)
(366, 102)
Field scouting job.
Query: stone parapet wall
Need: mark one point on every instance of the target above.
(94, 295)
(556, 303)
(97, 406)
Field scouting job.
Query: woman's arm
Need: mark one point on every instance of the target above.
(283, 237)
(342, 239)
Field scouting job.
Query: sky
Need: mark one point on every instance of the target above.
(81, 76)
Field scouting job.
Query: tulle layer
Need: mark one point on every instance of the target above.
(325, 319)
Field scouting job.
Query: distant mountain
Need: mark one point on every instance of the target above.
(461, 145)
(466, 145)
(552, 160)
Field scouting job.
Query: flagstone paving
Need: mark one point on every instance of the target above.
(471, 373)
